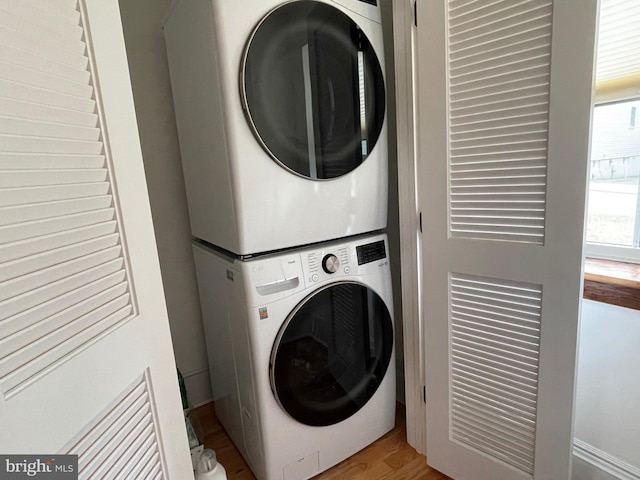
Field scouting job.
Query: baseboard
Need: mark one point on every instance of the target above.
(198, 387)
(604, 462)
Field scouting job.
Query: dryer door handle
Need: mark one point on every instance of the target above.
(278, 286)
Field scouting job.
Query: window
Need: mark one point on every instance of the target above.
(613, 213)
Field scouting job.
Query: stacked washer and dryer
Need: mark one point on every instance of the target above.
(282, 127)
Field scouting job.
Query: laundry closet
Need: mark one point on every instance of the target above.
(282, 121)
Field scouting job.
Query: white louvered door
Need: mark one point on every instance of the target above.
(86, 363)
(504, 89)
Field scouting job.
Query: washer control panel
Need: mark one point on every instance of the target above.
(337, 260)
(323, 264)
(330, 263)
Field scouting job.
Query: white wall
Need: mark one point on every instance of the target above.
(607, 412)
(156, 121)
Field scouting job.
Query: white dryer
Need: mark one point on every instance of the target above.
(301, 352)
(281, 119)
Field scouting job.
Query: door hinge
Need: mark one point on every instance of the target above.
(415, 13)
(424, 393)
(420, 220)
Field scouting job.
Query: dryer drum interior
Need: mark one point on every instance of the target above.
(332, 354)
(313, 89)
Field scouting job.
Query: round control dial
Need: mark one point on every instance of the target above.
(330, 263)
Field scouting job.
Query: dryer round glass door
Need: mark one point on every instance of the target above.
(313, 90)
(331, 354)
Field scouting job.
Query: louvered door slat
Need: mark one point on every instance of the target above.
(26, 16)
(37, 211)
(20, 285)
(496, 117)
(13, 56)
(506, 319)
(131, 455)
(90, 327)
(23, 197)
(48, 161)
(34, 111)
(41, 261)
(118, 460)
(499, 57)
(100, 428)
(490, 372)
(157, 473)
(9, 125)
(121, 442)
(497, 408)
(94, 457)
(518, 441)
(516, 435)
(148, 457)
(43, 96)
(473, 321)
(30, 337)
(26, 144)
(503, 451)
(52, 241)
(493, 354)
(28, 75)
(111, 448)
(25, 230)
(509, 17)
(43, 44)
(500, 107)
(34, 340)
(505, 390)
(148, 467)
(58, 224)
(58, 304)
(66, 8)
(499, 340)
(44, 293)
(31, 178)
(495, 46)
(495, 366)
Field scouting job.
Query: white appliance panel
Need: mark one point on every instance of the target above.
(275, 445)
(239, 198)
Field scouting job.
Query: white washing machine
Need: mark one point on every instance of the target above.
(301, 352)
(281, 119)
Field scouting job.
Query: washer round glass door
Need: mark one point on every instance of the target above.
(313, 89)
(332, 354)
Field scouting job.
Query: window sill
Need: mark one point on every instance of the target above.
(613, 282)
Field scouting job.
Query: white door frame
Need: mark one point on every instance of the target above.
(403, 39)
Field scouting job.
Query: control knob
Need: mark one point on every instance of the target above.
(330, 263)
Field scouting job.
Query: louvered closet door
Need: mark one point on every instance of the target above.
(504, 93)
(86, 365)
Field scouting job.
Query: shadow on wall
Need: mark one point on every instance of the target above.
(141, 21)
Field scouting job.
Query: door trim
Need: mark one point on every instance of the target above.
(403, 37)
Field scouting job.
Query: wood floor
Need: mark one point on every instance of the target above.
(391, 457)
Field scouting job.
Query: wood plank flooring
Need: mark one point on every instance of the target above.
(391, 457)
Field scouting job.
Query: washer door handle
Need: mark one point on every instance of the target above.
(278, 286)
